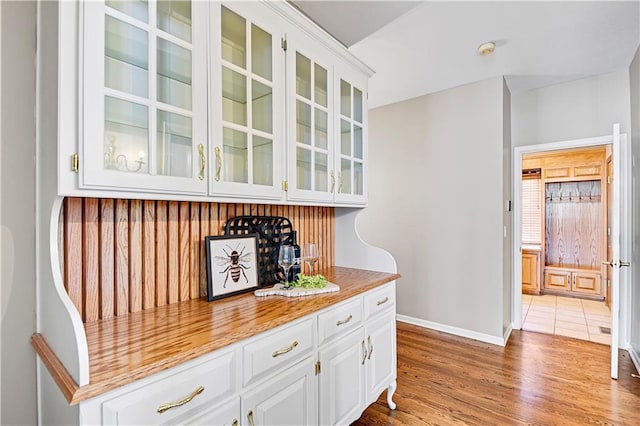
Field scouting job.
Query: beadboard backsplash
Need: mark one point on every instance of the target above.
(120, 256)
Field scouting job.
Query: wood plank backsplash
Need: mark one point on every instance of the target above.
(120, 256)
(573, 224)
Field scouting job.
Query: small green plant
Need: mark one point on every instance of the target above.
(309, 281)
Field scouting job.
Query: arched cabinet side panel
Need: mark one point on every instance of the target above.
(352, 251)
(59, 321)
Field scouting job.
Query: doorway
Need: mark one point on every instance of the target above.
(622, 219)
(564, 233)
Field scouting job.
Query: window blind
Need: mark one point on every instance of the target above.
(531, 207)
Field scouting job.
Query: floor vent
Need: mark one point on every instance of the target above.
(605, 330)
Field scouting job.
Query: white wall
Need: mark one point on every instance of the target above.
(634, 83)
(579, 109)
(436, 203)
(17, 106)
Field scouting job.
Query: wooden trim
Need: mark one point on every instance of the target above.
(135, 255)
(90, 268)
(123, 256)
(73, 258)
(106, 266)
(60, 375)
(149, 255)
(173, 253)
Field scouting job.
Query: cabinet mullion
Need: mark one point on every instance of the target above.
(153, 89)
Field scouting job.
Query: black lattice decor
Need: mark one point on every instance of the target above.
(274, 231)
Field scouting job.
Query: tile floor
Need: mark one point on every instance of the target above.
(566, 316)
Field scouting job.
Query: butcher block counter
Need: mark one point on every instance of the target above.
(132, 347)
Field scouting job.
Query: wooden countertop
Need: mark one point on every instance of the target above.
(131, 347)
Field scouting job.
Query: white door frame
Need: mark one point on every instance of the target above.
(625, 224)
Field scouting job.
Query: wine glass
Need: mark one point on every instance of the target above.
(310, 254)
(286, 259)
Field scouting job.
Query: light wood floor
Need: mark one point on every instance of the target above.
(535, 379)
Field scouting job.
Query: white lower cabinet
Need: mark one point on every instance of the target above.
(287, 399)
(324, 369)
(359, 365)
(381, 356)
(341, 379)
(181, 393)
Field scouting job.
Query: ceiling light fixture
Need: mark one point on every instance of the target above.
(486, 48)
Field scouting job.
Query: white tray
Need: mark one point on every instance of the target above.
(279, 290)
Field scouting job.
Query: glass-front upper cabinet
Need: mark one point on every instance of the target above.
(246, 102)
(144, 97)
(351, 140)
(311, 175)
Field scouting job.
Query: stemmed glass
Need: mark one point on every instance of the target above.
(310, 255)
(286, 259)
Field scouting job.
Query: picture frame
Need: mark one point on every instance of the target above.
(232, 265)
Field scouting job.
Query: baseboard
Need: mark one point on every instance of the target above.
(507, 334)
(462, 332)
(635, 357)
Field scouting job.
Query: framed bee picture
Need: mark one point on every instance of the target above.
(232, 265)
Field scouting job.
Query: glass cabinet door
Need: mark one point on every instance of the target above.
(246, 141)
(311, 174)
(312, 150)
(351, 153)
(144, 95)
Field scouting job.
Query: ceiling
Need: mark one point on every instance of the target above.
(423, 47)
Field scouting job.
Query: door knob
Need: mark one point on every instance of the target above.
(609, 262)
(621, 264)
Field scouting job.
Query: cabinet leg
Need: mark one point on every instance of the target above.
(390, 391)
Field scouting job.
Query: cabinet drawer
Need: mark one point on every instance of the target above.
(591, 171)
(277, 349)
(557, 279)
(140, 407)
(340, 320)
(557, 172)
(379, 300)
(587, 282)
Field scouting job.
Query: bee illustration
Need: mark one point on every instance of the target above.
(234, 264)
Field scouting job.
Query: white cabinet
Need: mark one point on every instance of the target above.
(381, 356)
(351, 138)
(277, 350)
(310, 111)
(326, 126)
(193, 99)
(143, 109)
(359, 365)
(247, 101)
(288, 399)
(342, 378)
(285, 376)
(182, 393)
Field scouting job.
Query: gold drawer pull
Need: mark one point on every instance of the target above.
(235, 422)
(250, 418)
(285, 350)
(383, 301)
(344, 321)
(170, 405)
